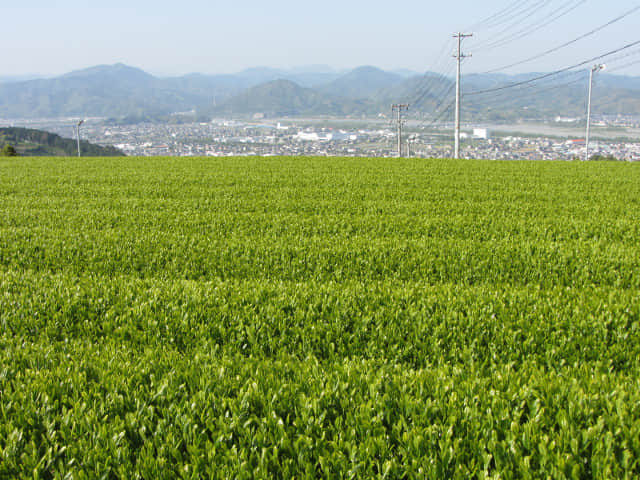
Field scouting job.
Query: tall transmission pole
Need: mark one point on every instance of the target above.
(397, 107)
(459, 56)
(78, 134)
(594, 69)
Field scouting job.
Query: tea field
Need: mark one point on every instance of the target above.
(319, 318)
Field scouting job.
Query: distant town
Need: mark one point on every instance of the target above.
(366, 138)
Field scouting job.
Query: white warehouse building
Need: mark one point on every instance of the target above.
(481, 133)
(325, 136)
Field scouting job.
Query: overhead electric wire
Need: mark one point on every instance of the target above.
(443, 98)
(439, 117)
(562, 70)
(441, 102)
(622, 67)
(509, 16)
(431, 90)
(533, 89)
(441, 95)
(626, 55)
(536, 27)
(439, 82)
(515, 22)
(433, 80)
(530, 90)
(512, 101)
(436, 83)
(427, 78)
(599, 105)
(496, 15)
(444, 112)
(566, 44)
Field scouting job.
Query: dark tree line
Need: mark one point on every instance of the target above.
(8, 151)
(40, 143)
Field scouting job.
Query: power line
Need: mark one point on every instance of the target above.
(433, 81)
(521, 9)
(443, 113)
(439, 117)
(626, 55)
(622, 67)
(439, 83)
(547, 75)
(446, 89)
(516, 21)
(435, 85)
(571, 42)
(536, 27)
(496, 15)
(438, 88)
(615, 101)
(441, 102)
(532, 89)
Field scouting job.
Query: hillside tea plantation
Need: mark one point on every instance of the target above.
(319, 318)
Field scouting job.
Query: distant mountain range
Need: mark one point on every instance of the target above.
(284, 98)
(120, 91)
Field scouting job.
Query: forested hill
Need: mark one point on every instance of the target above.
(123, 92)
(29, 142)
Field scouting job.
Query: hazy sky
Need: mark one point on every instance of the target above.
(178, 37)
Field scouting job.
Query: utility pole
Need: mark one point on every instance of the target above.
(410, 139)
(396, 107)
(78, 134)
(594, 69)
(459, 56)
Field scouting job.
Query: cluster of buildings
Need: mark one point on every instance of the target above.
(332, 137)
(526, 148)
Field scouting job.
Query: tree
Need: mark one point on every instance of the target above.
(603, 158)
(9, 151)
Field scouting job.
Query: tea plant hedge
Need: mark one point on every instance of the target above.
(319, 318)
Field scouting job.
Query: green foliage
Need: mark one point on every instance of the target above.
(285, 98)
(319, 318)
(8, 151)
(603, 158)
(40, 143)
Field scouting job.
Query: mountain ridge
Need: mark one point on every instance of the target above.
(121, 91)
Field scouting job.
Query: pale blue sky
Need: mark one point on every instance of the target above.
(177, 37)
